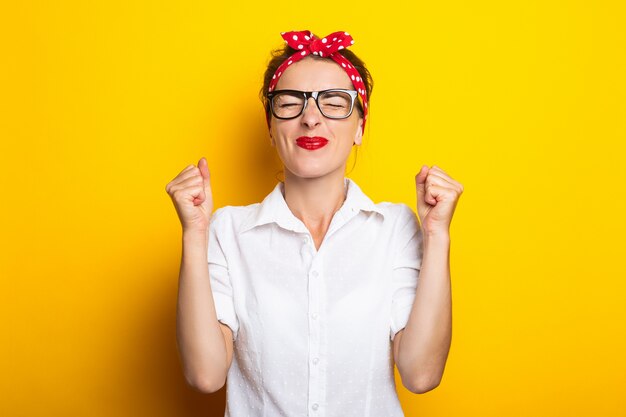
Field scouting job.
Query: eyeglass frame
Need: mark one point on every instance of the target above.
(314, 94)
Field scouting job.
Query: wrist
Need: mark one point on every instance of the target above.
(437, 236)
(194, 235)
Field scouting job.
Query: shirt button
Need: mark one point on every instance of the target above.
(314, 316)
(305, 239)
(315, 407)
(315, 361)
(315, 273)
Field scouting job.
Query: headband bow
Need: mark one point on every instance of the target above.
(306, 43)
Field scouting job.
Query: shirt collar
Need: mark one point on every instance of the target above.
(274, 209)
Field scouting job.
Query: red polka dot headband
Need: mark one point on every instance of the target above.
(306, 43)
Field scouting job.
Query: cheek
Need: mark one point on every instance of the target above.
(348, 130)
(276, 128)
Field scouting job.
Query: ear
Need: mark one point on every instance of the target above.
(269, 130)
(359, 133)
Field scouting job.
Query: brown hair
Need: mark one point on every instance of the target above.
(281, 54)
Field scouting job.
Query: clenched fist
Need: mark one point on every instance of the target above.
(191, 193)
(437, 197)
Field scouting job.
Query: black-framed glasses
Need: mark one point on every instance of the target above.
(335, 103)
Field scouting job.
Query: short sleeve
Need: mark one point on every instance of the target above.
(221, 285)
(406, 268)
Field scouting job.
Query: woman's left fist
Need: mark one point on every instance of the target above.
(437, 195)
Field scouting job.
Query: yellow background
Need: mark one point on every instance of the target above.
(102, 103)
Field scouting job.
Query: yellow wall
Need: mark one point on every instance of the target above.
(102, 103)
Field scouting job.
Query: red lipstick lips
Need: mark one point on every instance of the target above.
(311, 143)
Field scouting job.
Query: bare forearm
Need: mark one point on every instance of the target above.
(200, 339)
(425, 342)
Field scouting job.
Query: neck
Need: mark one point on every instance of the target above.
(315, 200)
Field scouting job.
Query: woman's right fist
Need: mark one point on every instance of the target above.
(191, 193)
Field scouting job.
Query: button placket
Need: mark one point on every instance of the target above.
(315, 381)
(306, 251)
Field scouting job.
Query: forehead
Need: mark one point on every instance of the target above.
(311, 74)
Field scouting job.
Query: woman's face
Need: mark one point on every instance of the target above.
(311, 74)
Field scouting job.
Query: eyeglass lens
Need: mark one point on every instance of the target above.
(333, 104)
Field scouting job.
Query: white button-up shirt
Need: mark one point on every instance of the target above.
(313, 329)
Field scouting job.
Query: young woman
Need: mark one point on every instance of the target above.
(314, 291)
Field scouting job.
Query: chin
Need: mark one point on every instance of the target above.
(312, 171)
(307, 173)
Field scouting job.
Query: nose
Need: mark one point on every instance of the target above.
(311, 116)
